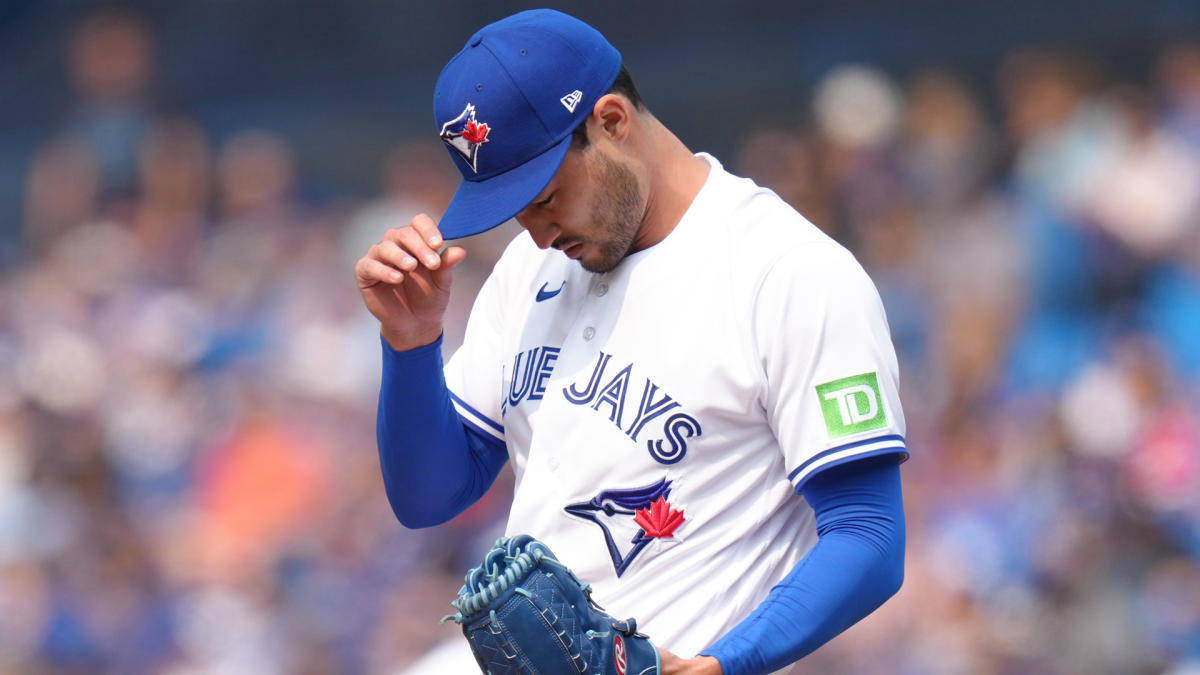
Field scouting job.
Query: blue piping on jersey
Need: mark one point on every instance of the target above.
(498, 427)
(847, 446)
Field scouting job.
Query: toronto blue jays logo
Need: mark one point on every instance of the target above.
(465, 135)
(644, 512)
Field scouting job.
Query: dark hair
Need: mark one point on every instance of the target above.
(624, 86)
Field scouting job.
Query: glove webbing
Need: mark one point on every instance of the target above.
(516, 567)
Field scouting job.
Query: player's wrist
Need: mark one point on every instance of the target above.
(706, 665)
(403, 341)
(699, 665)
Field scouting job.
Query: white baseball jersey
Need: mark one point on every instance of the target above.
(661, 417)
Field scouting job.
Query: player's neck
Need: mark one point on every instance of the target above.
(676, 177)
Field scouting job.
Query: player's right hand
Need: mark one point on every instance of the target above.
(405, 283)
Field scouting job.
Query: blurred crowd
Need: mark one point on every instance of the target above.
(188, 473)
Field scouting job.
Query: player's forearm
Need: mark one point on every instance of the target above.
(856, 565)
(433, 467)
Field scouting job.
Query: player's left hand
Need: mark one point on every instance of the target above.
(701, 665)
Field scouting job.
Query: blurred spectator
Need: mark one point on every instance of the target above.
(110, 59)
(949, 150)
(1178, 80)
(172, 210)
(61, 192)
(1148, 195)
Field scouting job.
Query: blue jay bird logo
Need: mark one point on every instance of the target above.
(643, 511)
(464, 135)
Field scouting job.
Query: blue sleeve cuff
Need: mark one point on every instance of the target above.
(416, 354)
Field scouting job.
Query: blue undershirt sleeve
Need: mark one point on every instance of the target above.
(434, 464)
(856, 565)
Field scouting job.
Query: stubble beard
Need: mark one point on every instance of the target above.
(616, 214)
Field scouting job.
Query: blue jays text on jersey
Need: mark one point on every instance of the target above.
(533, 368)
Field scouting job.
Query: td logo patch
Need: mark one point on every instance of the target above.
(852, 404)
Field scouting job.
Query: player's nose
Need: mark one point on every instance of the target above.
(541, 229)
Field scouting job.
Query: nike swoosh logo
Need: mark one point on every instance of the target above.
(543, 294)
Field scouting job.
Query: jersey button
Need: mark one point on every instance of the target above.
(589, 333)
(601, 289)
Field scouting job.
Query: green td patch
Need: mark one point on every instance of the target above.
(852, 404)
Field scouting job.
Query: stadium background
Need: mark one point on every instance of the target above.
(188, 479)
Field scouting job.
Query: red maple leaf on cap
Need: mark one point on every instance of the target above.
(660, 520)
(475, 133)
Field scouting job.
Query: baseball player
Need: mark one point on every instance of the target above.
(694, 386)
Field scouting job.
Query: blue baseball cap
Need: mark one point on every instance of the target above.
(506, 106)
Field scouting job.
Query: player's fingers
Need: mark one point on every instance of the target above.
(389, 252)
(415, 245)
(428, 230)
(369, 272)
(451, 257)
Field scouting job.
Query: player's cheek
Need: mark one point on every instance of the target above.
(570, 219)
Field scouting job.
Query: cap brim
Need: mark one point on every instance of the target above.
(479, 206)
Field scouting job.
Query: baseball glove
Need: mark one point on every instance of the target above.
(525, 613)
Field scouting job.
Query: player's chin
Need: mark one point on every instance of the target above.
(599, 259)
(598, 265)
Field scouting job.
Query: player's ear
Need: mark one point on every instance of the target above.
(613, 115)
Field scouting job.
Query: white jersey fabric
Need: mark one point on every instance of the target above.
(660, 418)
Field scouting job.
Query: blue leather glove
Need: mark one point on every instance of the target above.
(526, 613)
